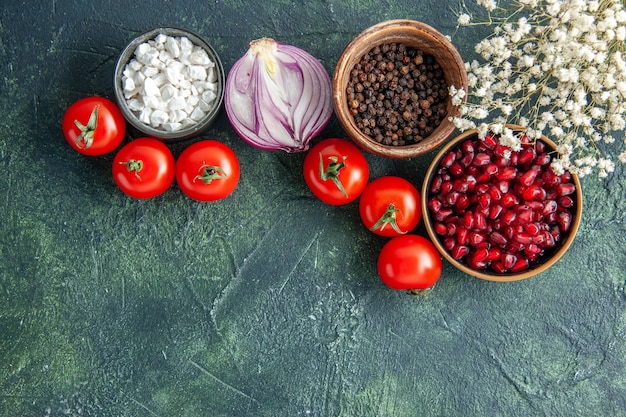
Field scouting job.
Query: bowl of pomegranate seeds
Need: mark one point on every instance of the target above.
(391, 88)
(498, 214)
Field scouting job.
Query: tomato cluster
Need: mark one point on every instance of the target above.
(336, 172)
(207, 170)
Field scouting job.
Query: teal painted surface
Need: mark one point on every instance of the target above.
(267, 303)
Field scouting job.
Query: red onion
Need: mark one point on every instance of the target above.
(278, 97)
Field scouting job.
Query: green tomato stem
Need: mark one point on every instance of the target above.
(135, 165)
(332, 171)
(389, 217)
(208, 173)
(88, 131)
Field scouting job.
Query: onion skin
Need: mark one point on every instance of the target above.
(278, 97)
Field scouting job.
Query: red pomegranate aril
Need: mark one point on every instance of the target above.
(522, 264)
(498, 239)
(449, 244)
(443, 214)
(462, 203)
(490, 141)
(495, 193)
(509, 200)
(459, 252)
(514, 246)
(482, 188)
(481, 254)
(540, 148)
(564, 219)
(528, 177)
(468, 220)
(452, 219)
(549, 206)
(501, 150)
(494, 211)
(481, 159)
(441, 228)
(467, 146)
(534, 192)
(483, 177)
(550, 177)
(556, 234)
(536, 206)
(434, 204)
(484, 201)
(480, 222)
(451, 229)
(504, 186)
(466, 160)
(532, 251)
(548, 241)
(498, 267)
(456, 170)
(460, 185)
(435, 185)
(565, 189)
(446, 187)
(507, 173)
(494, 254)
(497, 225)
(526, 156)
(448, 159)
(566, 202)
(502, 161)
(475, 238)
(491, 169)
(532, 229)
(566, 177)
(476, 264)
(462, 234)
(550, 218)
(508, 260)
(543, 159)
(539, 239)
(509, 217)
(451, 198)
(523, 238)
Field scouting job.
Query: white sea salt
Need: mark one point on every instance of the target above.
(170, 83)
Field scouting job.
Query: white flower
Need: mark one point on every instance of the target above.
(489, 5)
(464, 19)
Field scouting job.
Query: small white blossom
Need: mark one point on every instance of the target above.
(464, 19)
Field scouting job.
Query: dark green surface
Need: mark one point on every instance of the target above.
(267, 303)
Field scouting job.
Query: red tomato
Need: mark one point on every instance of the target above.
(409, 262)
(207, 170)
(144, 168)
(94, 126)
(335, 171)
(390, 206)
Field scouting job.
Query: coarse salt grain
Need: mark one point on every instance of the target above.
(170, 83)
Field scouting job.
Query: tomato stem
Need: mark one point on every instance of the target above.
(420, 293)
(135, 165)
(208, 173)
(388, 218)
(88, 131)
(332, 171)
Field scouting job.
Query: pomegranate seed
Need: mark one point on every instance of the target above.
(441, 228)
(476, 238)
(495, 211)
(540, 147)
(501, 150)
(509, 217)
(484, 200)
(549, 241)
(448, 159)
(495, 193)
(468, 220)
(491, 169)
(498, 239)
(443, 214)
(566, 202)
(462, 203)
(452, 219)
(514, 246)
(481, 255)
(467, 160)
(532, 229)
(524, 215)
(498, 267)
(476, 264)
(550, 206)
(543, 159)
(525, 140)
(451, 198)
(508, 260)
(459, 252)
(449, 243)
(534, 192)
(490, 141)
(522, 264)
(446, 187)
(532, 251)
(483, 177)
(462, 234)
(471, 182)
(564, 220)
(481, 159)
(467, 146)
(435, 186)
(550, 178)
(526, 156)
(503, 186)
(502, 161)
(494, 254)
(550, 218)
(514, 158)
(509, 200)
(528, 177)
(565, 189)
(471, 170)
(539, 239)
(480, 222)
(556, 234)
(507, 173)
(536, 206)
(523, 238)
(566, 177)
(450, 229)
(460, 185)
(434, 204)
(497, 225)
(456, 170)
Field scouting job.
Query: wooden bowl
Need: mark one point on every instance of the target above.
(413, 34)
(545, 261)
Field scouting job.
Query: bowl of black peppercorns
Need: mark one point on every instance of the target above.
(391, 88)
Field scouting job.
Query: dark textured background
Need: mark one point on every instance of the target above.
(267, 303)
